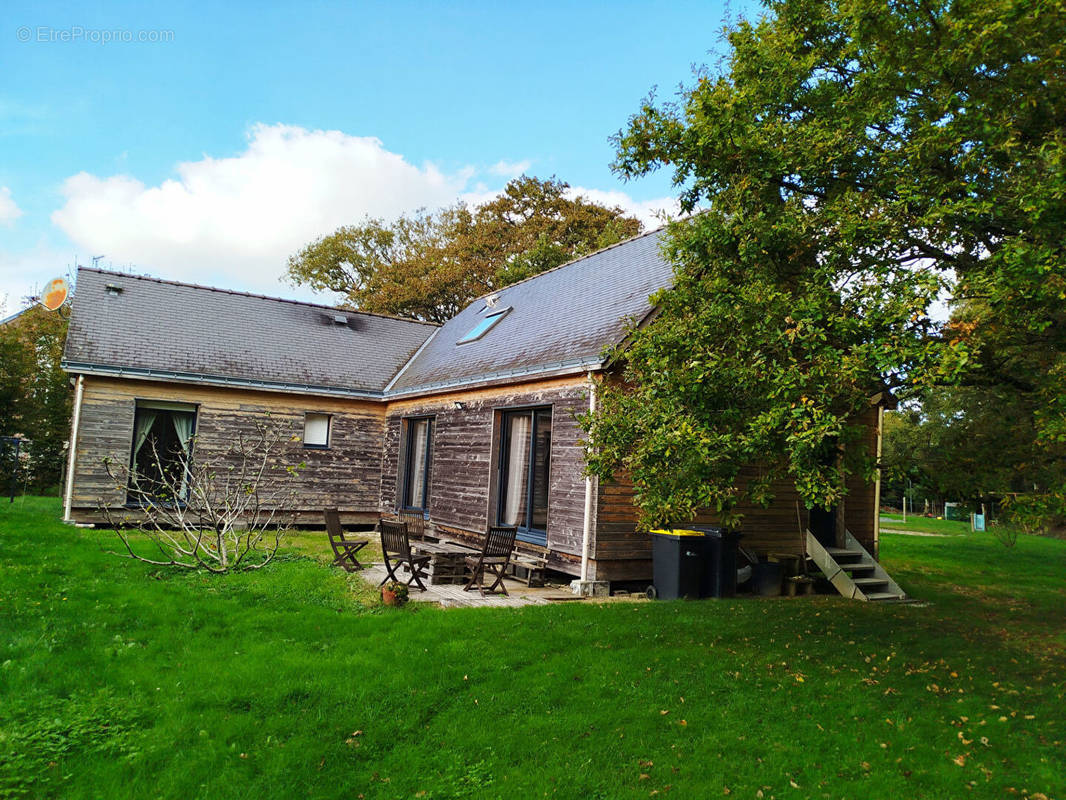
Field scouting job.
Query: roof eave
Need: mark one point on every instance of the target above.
(555, 370)
(167, 376)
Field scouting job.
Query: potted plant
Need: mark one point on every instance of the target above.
(394, 593)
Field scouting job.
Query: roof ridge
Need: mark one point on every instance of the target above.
(255, 295)
(572, 261)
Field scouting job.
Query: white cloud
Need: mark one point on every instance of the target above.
(23, 272)
(9, 210)
(649, 212)
(510, 169)
(234, 221)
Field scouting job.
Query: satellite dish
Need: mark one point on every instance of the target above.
(55, 294)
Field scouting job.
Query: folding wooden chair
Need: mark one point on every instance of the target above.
(344, 550)
(494, 557)
(396, 550)
(416, 523)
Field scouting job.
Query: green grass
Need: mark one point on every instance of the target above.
(944, 527)
(118, 680)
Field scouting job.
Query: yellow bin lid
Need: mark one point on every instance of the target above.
(677, 532)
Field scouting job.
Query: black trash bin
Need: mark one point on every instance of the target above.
(678, 564)
(720, 553)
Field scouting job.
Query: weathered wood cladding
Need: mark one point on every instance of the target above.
(623, 553)
(465, 469)
(347, 474)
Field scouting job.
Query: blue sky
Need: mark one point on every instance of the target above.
(249, 129)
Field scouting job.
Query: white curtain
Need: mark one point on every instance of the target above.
(514, 501)
(183, 428)
(417, 476)
(145, 421)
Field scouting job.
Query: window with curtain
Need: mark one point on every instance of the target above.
(418, 451)
(161, 450)
(525, 471)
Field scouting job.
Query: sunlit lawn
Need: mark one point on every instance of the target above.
(118, 680)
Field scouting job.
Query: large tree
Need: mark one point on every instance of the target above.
(35, 396)
(853, 159)
(430, 265)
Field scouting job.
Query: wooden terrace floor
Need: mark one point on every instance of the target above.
(453, 596)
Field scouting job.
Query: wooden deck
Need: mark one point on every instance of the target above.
(453, 596)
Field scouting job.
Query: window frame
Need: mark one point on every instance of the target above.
(408, 461)
(329, 431)
(484, 325)
(170, 407)
(526, 532)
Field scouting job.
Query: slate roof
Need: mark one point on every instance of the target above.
(181, 331)
(561, 319)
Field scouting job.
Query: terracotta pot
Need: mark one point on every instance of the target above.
(390, 598)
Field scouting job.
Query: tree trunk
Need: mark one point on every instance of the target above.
(841, 527)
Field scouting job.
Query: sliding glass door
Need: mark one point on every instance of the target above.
(416, 468)
(525, 470)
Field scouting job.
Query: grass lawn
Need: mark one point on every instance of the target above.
(944, 527)
(117, 680)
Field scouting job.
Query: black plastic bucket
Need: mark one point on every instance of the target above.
(766, 578)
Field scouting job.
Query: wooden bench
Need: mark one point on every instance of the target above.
(528, 568)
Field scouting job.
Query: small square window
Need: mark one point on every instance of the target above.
(316, 430)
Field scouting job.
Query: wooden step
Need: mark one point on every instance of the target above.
(864, 567)
(883, 596)
(869, 582)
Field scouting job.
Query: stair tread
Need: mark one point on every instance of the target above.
(866, 565)
(884, 596)
(842, 551)
(869, 581)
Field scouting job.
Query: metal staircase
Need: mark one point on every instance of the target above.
(853, 571)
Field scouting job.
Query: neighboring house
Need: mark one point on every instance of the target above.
(14, 316)
(473, 422)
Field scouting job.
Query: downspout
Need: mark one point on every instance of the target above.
(590, 496)
(877, 485)
(73, 447)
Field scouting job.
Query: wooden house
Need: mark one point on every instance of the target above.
(473, 422)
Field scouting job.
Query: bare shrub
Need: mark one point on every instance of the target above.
(225, 512)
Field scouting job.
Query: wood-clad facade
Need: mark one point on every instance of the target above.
(623, 554)
(345, 474)
(363, 469)
(464, 475)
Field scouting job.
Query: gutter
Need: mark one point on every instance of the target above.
(73, 447)
(560, 367)
(141, 373)
(590, 497)
(214, 380)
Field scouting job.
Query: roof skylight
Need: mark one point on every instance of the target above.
(483, 326)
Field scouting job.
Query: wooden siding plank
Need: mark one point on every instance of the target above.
(347, 475)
